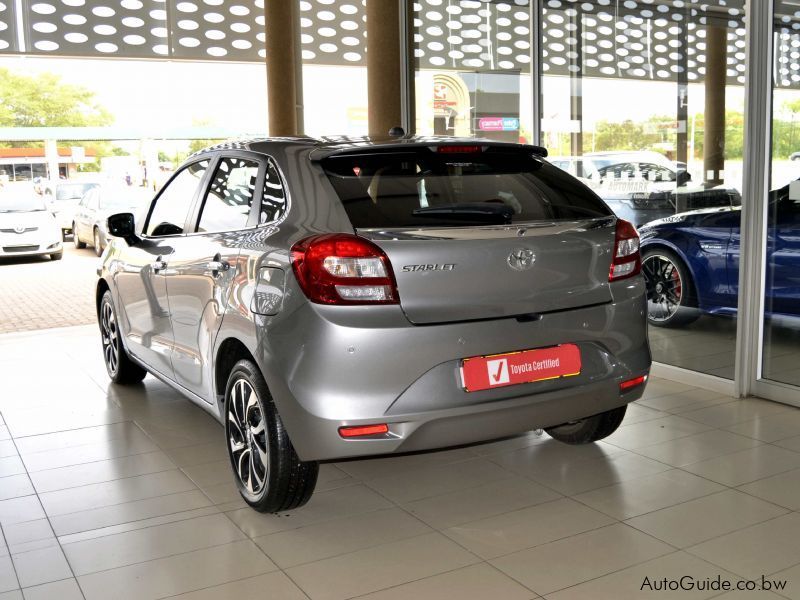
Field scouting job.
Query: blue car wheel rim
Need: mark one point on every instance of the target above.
(664, 287)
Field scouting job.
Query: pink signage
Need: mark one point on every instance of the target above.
(490, 124)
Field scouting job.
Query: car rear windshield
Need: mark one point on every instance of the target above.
(431, 187)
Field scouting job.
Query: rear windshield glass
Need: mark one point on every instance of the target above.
(427, 188)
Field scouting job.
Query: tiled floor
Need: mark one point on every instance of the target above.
(109, 492)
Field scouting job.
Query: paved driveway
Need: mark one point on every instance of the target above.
(39, 293)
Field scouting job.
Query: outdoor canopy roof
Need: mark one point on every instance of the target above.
(633, 39)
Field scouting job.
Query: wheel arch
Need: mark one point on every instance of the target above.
(687, 264)
(102, 288)
(230, 351)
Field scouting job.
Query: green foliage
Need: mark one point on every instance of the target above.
(44, 100)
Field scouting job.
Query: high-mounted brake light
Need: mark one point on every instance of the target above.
(342, 268)
(460, 149)
(363, 430)
(626, 261)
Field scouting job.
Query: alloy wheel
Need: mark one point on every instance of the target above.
(97, 248)
(247, 437)
(110, 337)
(664, 287)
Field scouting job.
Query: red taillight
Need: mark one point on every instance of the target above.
(363, 430)
(632, 383)
(341, 268)
(626, 261)
(460, 149)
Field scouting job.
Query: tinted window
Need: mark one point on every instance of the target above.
(171, 208)
(230, 195)
(273, 203)
(428, 188)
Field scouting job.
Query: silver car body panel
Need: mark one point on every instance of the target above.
(333, 366)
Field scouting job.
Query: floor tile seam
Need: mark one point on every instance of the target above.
(558, 539)
(146, 527)
(80, 485)
(10, 558)
(435, 465)
(104, 506)
(759, 443)
(209, 587)
(340, 554)
(592, 530)
(737, 485)
(464, 489)
(171, 555)
(125, 420)
(672, 551)
(49, 523)
(729, 570)
(655, 510)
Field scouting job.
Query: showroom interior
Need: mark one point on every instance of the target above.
(683, 116)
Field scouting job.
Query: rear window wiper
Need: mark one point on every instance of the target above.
(490, 212)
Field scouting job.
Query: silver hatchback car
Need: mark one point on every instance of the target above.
(342, 298)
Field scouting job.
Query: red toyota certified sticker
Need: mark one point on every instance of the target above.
(487, 372)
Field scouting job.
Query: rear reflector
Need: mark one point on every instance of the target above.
(458, 149)
(363, 430)
(632, 383)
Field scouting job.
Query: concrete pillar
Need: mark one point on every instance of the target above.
(51, 158)
(284, 67)
(716, 77)
(384, 88)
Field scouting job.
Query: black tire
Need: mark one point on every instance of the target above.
(590, 429)
(671, 295)
(121, 369)
(98, 247)
(76, 240)
(57, 255)
(277, 480)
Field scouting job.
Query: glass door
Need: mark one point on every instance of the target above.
(780, 341)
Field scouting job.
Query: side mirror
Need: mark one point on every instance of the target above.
(122, 225)
(683, 178)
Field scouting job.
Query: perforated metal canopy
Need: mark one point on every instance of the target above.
(639, 39)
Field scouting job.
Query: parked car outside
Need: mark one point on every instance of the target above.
(644, 186)
(690, 262)
(62, 198)
(89, 224)
(27, 228)
(351, 298)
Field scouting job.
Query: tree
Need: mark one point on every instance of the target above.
(44, 100)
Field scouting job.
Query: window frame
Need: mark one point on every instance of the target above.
(204, 180)
(199, 203)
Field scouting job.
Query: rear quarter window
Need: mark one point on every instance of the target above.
(426, 188)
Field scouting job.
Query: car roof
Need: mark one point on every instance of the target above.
(323, 147)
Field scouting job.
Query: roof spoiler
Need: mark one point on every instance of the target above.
(362, 148)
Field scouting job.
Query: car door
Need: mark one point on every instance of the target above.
(86, 213)
(141, 274)
(205, 263)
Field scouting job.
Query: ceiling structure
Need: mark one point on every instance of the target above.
(633, 39)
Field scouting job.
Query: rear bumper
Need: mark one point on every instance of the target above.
(324, 374)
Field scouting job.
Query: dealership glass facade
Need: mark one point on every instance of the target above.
(649, 102)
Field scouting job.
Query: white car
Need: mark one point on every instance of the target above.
(89, 224)
(62, 200)
(27, 227)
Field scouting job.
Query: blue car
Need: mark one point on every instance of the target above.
(690, 262)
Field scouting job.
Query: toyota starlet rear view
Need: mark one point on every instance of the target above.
(334, 299)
